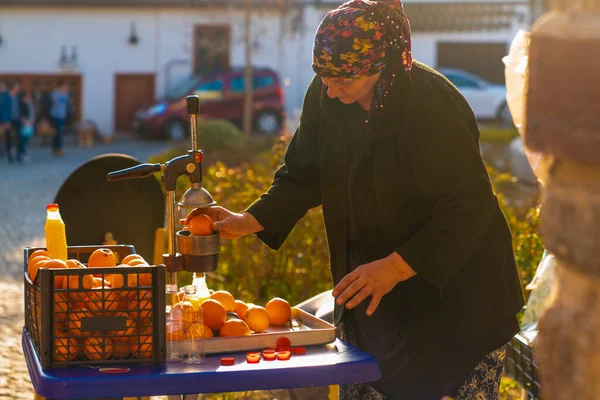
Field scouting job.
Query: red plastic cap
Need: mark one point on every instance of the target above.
(253, 357)
(52, 207)
(227, 361)
(283, 343)
(298, 350)
(269, 355)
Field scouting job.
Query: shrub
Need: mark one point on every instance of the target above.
(523, 222)
(218, 135)
(494, 134)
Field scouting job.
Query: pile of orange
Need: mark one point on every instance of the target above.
(99, 294)
(224, 316)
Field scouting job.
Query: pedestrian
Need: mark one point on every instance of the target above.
(59, 110)
(4, 116)
(421, 255)
(12, 135)
(28, 116)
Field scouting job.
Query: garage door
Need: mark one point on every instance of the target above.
(483, 59)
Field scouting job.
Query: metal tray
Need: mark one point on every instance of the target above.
(303, 330)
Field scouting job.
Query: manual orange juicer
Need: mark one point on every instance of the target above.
(198, 254)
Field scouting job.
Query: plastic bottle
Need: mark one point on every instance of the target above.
(199, 281)
(194, 327)
(56, 236)
(174, 328)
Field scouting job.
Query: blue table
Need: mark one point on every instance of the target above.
(323, 365)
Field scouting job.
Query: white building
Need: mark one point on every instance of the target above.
(120, 54)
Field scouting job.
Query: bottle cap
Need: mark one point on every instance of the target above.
(52, 207)
(189, 289)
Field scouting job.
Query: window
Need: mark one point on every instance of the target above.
(211, 48)
(462, 81)
(211, 90)
(238, 84)
(182, 88)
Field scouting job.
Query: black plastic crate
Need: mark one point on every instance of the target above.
(71, 323)
(521, 366)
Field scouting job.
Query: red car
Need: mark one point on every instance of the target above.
(221, 97)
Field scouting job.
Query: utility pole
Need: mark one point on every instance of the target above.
(248, 89)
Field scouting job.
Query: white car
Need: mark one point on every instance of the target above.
(487, 100)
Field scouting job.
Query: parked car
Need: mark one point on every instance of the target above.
(221, 97)
(487, 100)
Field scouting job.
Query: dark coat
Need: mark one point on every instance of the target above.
(435, 207)
(5, 109)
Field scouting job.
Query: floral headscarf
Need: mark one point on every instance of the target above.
(361, 38)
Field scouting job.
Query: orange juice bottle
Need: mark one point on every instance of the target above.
(56, 236)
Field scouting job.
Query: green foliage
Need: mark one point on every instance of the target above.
(524, 224)
(218, 135)
(509, 389)
(494, 134)
(300, 269)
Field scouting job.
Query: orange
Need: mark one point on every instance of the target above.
(128, 333)
(201, 225)
(257, 319)
(279, 311)
(112, 301)
(213, 313)
(234, 327)
(66, 348)
(61, 306)
(240, 309)
(122, 350)
(132, 280)
(174, 332)
(97, 349)
(32, 266)
(56, 263)
(98, 282)
(102, 258)
(74, 264)
(199, 329)
(225, 298)
(131, 257)
(143, 308)
(143, 347)
(75, 318)
(116, 280)
(79, 305)
(145, 279)
(137, 261)
(38, 253)
(72, 283)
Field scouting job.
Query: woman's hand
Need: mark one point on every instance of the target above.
(374, 279)
(229, 224)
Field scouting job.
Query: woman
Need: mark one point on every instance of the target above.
(421, 256)
(27, 126)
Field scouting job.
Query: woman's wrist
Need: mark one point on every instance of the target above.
(253, 223)
(401, 270)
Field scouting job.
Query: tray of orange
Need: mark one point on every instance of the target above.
(232, 325)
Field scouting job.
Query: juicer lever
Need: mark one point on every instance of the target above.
(139, 171)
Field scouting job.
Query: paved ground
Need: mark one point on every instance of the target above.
(25, 190)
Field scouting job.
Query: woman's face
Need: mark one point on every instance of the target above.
(352, 91)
